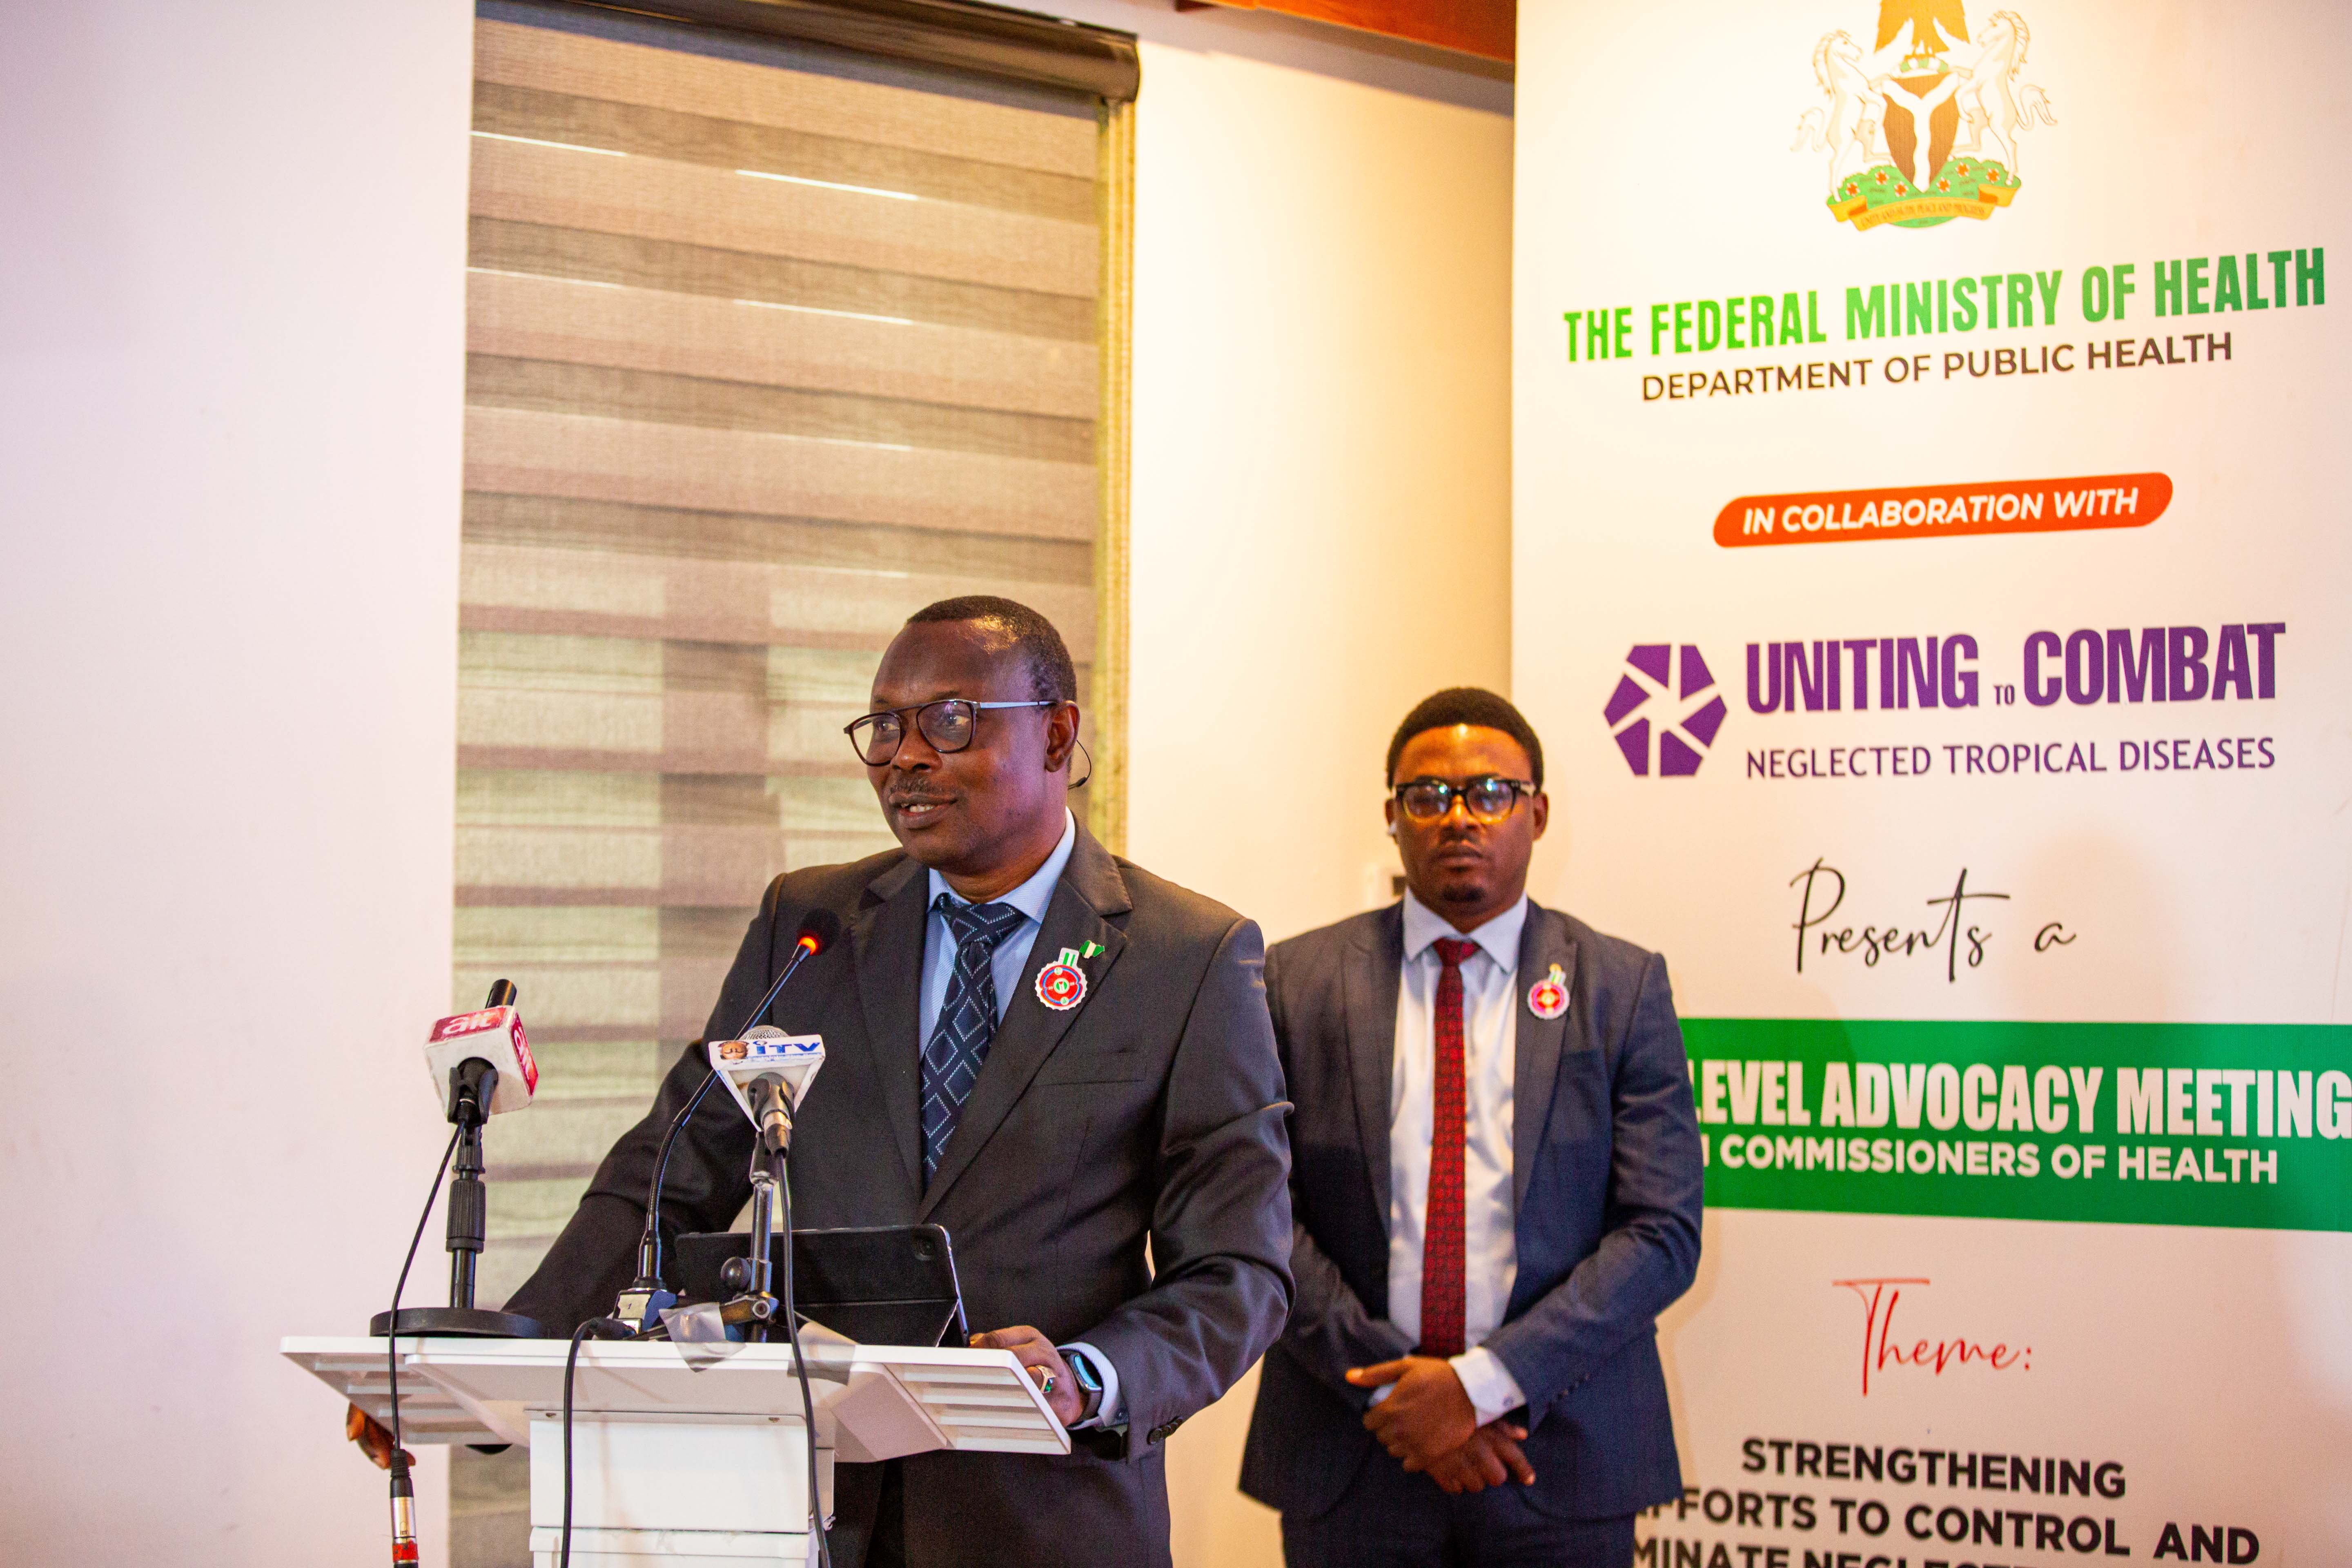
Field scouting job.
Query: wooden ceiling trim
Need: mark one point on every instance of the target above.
(1487, 28)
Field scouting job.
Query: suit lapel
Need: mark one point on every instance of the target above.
(1543, 942)
(1090, 891)
(1375, 975)
(887, 943)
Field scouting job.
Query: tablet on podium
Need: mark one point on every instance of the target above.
(879, 1284)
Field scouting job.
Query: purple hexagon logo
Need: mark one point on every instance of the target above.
(1665, 711)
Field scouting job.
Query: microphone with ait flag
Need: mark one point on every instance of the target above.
(472, 1056)
(481, 1066)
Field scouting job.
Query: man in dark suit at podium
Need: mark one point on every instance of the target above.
(1495, 1192)
(1056, 1055)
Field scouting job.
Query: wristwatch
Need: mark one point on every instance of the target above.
(1089, 1384)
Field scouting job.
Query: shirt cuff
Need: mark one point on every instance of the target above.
(1492, 1391)
(1112, 1411)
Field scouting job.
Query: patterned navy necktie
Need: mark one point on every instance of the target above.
(967, 1021)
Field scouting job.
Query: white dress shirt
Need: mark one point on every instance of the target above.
(1489, 1038)
(1006, 966)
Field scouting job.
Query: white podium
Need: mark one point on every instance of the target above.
(689, 1453)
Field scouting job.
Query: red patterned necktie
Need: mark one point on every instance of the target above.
(1442, 1255)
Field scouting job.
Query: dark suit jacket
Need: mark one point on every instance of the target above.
(1605, 1174)
(1152, 1112)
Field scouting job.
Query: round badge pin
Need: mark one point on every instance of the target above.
(1061, 985)
(1548, 998)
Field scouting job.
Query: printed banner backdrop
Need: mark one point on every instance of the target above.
(1931, 584)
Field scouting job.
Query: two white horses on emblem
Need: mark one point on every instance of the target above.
(1992, 102)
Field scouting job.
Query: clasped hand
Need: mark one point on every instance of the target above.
(1427, 1421)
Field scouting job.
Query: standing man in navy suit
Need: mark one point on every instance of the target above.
(1495, 1190)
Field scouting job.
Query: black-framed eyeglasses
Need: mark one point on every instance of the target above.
(1488, 798)
(947, 724)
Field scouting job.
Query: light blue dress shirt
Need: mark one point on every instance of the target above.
(1006, 965)
(1011, 955)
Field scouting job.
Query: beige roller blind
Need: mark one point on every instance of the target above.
(763, 352)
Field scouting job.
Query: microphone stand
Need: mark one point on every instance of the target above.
(754, 1282)
(472, 1083)
(757, 1296)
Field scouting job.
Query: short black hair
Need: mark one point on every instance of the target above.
(1468, 705)
(1052, 676)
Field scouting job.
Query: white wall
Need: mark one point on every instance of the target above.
(231, 326)
(1321, 489)
(231, 360)
(1322, 484)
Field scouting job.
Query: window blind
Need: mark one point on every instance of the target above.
(765, 350)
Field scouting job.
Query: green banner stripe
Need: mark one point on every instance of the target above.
(2240, 1125)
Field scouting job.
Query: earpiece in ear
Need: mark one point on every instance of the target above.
(1392, 830)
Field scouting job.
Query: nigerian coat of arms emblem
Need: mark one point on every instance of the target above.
(1923, 127)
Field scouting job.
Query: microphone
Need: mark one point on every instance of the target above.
(481, 1066)
(769, 1072)
(480, 1062)
(644, 1297)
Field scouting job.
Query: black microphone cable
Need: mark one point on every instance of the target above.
(404, 1492)
(808, 1402)
(649, 1248)
(596, 1329)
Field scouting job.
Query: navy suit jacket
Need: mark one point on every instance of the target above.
(1606, 1174)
